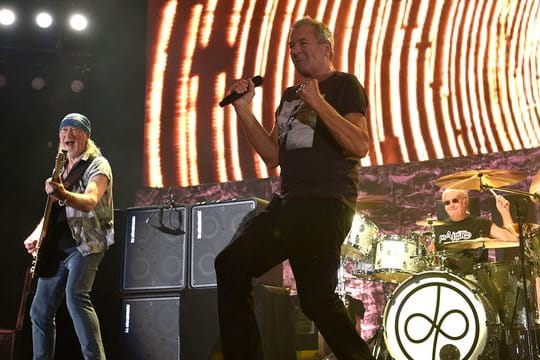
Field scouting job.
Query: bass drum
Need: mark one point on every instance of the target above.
(440, 316)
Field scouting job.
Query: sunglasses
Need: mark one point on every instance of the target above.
(453, 201)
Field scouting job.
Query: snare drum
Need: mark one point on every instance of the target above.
(359, 242)
(437, 315)
(395, 258)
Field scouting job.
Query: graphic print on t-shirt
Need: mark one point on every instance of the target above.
(455, 236)
(296, 124)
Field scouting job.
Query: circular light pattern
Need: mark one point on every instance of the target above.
(78, 22)
(7, 17)
(444, 78)
(44, 20)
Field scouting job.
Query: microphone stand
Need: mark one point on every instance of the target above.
(530, 331)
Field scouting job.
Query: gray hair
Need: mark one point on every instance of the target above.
(322, 32)
(463, 194)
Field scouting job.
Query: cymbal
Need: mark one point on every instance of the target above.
(429, 222)
(527, 227)
(370, 201)
(535, 185)
(481, 242)
(474, 179)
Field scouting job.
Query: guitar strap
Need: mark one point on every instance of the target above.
(76, 173)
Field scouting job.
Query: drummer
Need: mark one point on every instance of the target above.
(461, 225)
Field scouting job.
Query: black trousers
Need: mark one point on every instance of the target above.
(308, 232)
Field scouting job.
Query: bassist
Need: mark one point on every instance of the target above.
(78, 233)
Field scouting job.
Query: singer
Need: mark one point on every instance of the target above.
(319, 135)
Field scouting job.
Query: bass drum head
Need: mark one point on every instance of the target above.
(436, 315)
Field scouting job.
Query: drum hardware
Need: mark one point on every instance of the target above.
(377, 342)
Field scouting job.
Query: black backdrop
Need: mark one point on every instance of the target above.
(113, 99)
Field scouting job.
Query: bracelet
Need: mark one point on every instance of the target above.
(64, 202)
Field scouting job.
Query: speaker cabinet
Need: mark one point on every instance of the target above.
(154, 251)
(150, 328)
(212, 228)
(199, 324)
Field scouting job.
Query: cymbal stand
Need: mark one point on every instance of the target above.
(379, 350)
(530, 331)
(341, 289)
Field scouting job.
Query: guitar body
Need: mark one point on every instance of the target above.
(45, 262)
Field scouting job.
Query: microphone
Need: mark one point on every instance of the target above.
(257, 81)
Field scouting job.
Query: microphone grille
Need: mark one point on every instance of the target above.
(257, 80)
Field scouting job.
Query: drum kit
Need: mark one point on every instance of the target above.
(433, 313)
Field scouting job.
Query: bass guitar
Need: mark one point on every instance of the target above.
(37, 261)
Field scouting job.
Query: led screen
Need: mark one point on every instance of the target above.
(444, 79)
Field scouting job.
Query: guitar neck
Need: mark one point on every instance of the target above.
(46, 218)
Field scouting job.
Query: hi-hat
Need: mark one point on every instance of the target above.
(481, 242)
(370, 201)
(475, 179)
(429, 222)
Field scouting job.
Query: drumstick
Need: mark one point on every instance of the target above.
(493, 192)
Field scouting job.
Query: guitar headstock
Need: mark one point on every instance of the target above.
(58, 164)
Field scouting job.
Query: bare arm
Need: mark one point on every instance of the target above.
(264, 143)
(350, 130)
(86, 201)
(503, 206)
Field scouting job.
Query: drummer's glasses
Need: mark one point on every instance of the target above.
(453, 201)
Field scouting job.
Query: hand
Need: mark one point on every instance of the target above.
(309, 91)
(55, 189)
(502, 204)
(246, 87)
(30, 245)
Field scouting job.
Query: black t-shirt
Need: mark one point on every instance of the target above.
(312, 162)
(470, 228)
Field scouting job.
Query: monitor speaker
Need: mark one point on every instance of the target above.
(150, 328)
(212, 228)
(154, 247)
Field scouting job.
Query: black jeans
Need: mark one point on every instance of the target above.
(308, 232)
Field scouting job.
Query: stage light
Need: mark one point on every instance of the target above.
(77, 86)
(44, 20)
(7, 17)
(38, 83)
(78, 22)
